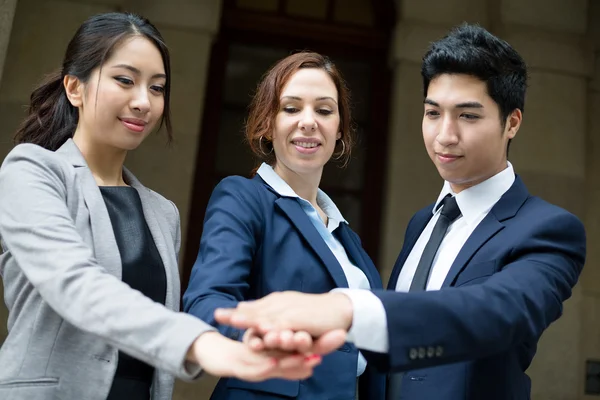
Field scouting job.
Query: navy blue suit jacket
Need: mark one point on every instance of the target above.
(474, 338)
(256, 242)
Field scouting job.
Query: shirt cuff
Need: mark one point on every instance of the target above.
(369, 329)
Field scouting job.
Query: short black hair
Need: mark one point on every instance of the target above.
(470, 49)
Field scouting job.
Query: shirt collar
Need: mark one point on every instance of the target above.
(271, 178)
(481, 197)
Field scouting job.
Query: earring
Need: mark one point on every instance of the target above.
(260, 145)
(342, 152)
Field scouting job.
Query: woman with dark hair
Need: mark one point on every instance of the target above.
(89, 255)
(278, 231)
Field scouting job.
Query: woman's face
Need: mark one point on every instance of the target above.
(307, 123)
(123, 101)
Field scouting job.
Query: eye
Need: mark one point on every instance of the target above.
(470, 117)
(158, 89)
(431, 113)
(290, 110)
(124, 80)
(324, 111)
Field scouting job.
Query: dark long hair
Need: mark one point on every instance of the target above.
(51, 119)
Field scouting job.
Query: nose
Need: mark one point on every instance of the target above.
(307, 121)
(140, 102)
(448, 134)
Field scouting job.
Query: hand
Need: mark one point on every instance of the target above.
(284, 341)
(221, 356)
(315, 314)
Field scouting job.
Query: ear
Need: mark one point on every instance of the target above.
(338, 136)
(513, 123)
(74, 89)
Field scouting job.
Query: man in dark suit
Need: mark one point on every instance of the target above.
(484, 270)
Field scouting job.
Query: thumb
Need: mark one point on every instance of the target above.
(329, 341)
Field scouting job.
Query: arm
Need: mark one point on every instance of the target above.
(222, 272)
(513, 306)
(38, 231)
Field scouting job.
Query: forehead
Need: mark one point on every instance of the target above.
(450, 89)
(310, 82)
(140, 53)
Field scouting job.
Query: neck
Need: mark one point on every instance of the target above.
(459, 187)
(105, 162)
(305, 186)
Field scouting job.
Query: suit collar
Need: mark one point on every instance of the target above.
(71, 152)
(281, 187)
(505, 209)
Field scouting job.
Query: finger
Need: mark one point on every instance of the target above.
(329, 341)
(253, 341)
(303, 342)
(286, 340)
(272, 340)
(223, 315)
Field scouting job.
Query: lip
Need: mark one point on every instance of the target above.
(445, 158)
(134, 124)
(306, 150)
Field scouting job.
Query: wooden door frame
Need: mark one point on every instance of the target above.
(354, 42)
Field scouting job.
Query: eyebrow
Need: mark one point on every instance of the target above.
(318, 98)
(467, 104)
(137, 71)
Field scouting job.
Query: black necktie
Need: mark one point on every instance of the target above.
(450, 212)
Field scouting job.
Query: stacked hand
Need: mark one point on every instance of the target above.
(286, 335)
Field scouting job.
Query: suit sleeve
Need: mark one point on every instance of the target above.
(222, 272)
(38, 231)
(514, 306)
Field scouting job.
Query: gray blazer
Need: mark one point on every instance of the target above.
(69, 311)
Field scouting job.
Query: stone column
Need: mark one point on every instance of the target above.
(550, 154)
(590, 280)
(7, 12)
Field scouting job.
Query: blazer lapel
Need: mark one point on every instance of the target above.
(106, 250)
(301, 221)
(409, 242)
(158, 227)
(504, 209)
(353, 248)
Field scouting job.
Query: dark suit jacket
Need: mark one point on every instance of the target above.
(256, 242)
(474, 338)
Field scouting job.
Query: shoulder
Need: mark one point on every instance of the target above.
(36, 156)
(241, 188)
(27, 162)
(539, 213)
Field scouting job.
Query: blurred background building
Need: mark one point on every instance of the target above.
(220, 49)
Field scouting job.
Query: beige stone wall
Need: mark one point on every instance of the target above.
(590, 282)
(7, 12)
(549, 151)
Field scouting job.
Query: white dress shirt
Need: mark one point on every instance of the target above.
(355, 276)
(369, 326)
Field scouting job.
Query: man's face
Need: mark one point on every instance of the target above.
(463, 132)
